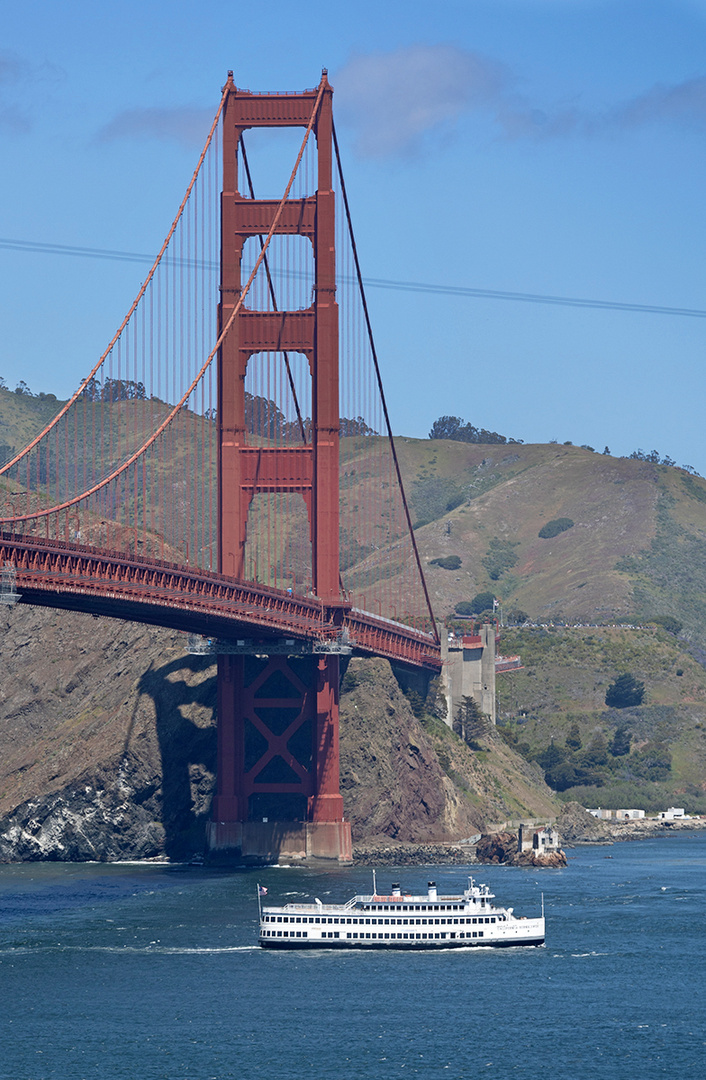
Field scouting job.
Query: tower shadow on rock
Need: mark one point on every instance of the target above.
(187, 749)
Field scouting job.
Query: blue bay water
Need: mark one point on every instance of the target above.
(151, 973)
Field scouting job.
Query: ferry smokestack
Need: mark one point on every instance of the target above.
(432, 890)
(396, 890)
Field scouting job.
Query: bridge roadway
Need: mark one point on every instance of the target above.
(62, 574)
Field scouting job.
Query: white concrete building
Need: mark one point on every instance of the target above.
(469, 670)
(672, 813)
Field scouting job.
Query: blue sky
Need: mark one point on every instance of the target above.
(552, 147)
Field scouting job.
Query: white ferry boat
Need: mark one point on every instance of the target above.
(399, 921)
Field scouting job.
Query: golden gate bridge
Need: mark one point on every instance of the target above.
(227, 468)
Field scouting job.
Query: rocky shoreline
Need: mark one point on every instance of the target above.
(648, 827)
(404, 854)
(576, 826)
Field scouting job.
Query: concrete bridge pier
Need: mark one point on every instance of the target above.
(469, 670)
(278, 795)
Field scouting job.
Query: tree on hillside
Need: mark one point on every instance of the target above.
(620, 743)
(653, 457)
(453, 427)
(596, 754)
(551, 757)
(482, 601)
(573, 739)
(624, 692)
(470, 723)
(357, 426)
(668, 622)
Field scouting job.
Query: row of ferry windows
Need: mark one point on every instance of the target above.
(380, 922)
(422, 907)
(369, 934)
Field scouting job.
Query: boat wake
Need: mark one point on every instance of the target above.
(151, 950)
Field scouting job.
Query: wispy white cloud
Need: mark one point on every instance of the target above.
(185, 125)
(684, 103)
(395, 101)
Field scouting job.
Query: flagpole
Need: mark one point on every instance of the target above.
(259, 902)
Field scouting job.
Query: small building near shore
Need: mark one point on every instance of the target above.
(541, 841)
(629, 815)
(672, 813)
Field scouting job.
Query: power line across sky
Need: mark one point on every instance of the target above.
(430, 288)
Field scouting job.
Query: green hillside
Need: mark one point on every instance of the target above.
(22, 416)
(553, 711)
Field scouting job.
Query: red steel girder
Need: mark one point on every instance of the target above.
(66, 570)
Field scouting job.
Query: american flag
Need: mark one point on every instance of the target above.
(261, 890)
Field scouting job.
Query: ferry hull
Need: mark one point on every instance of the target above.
(400, 946)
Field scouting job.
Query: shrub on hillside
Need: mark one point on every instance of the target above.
(554, 527)
(650, 797)
(447, 562)
(624, 692)
(653, 762)
(434, 496)
(499, 557)
(696, 491)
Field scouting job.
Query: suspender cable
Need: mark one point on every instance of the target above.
(373, 350)
(141, 293)
(209, 359)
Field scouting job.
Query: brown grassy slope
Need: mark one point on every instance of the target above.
(639, 529)
(611, 501)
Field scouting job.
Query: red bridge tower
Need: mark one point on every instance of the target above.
(278, 766)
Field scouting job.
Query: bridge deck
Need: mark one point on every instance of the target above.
(66, 575)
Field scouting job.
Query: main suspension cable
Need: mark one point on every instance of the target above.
(141, 293)
(185, 397)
